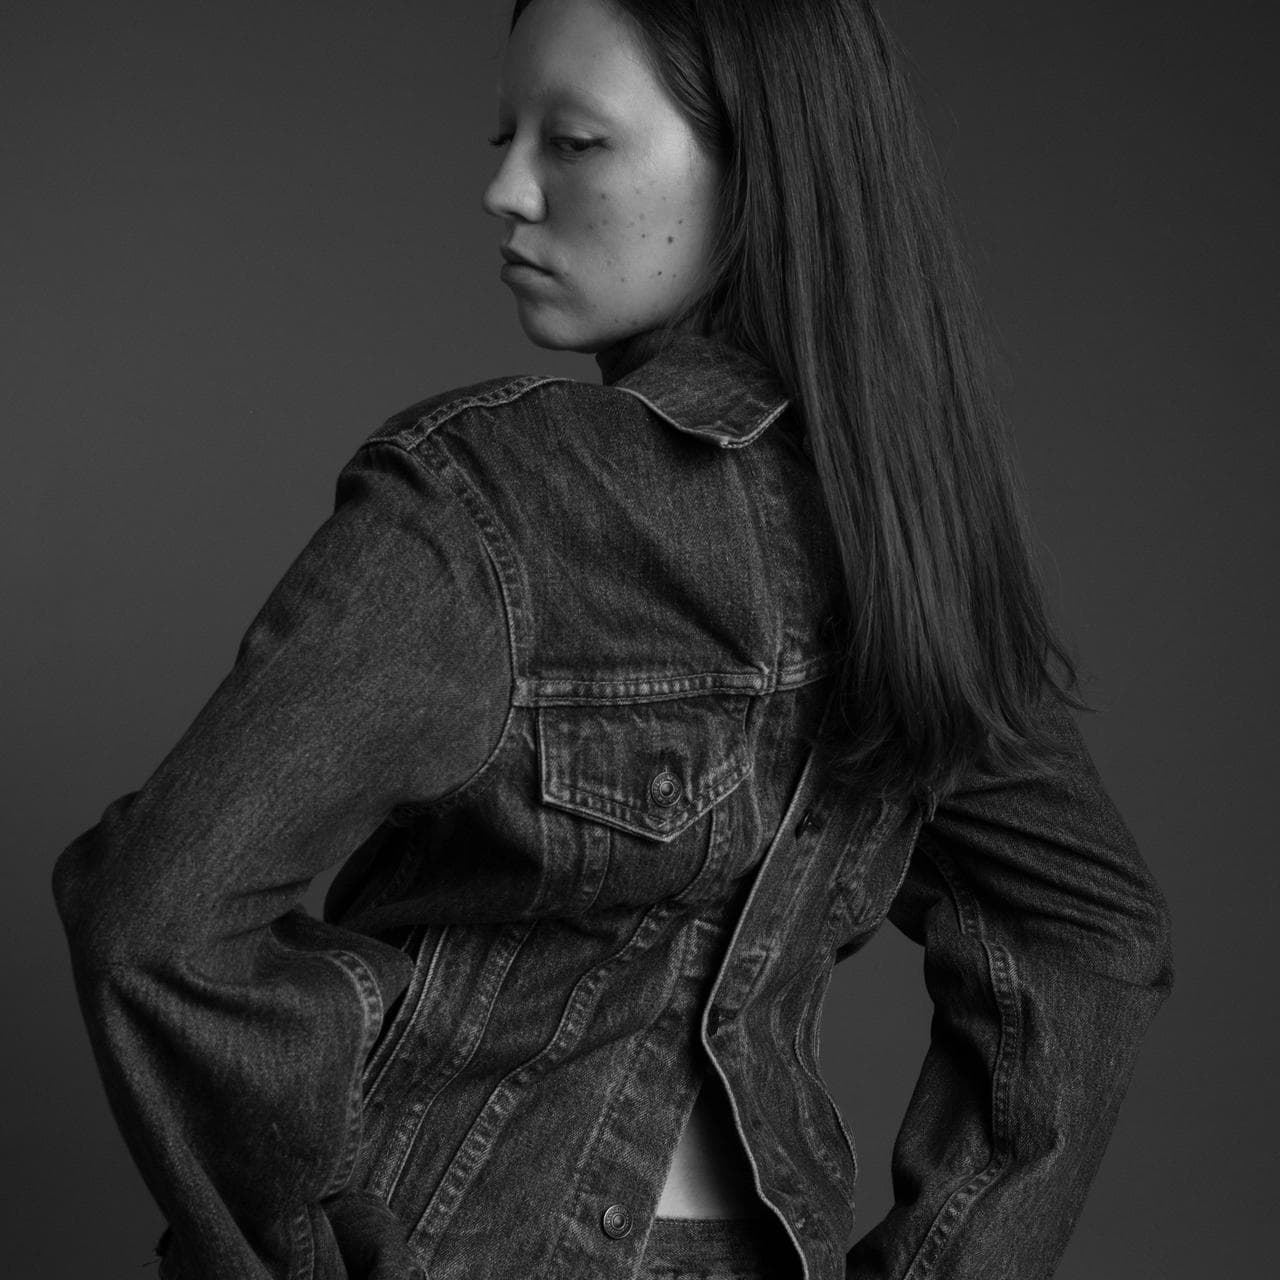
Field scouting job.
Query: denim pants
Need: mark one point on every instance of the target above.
(717, 1249)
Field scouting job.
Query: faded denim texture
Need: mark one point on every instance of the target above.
(545, 681)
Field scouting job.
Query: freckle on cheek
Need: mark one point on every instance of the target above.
(671, 239)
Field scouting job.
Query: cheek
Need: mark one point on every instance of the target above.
(650, 231)
(670, 247)
(637, 239)
(594, 231)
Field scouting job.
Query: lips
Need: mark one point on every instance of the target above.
(518, 259)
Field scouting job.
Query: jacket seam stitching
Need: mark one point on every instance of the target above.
(1000, 976)
(371, 1005)
(575, 1015)
(386, 1182)
(303, 1234)
(531, 690)
(447, 472)
(720, 438)
(420, 984)
(768, 420)
(651, 921)
(412, 435)
(817, 994)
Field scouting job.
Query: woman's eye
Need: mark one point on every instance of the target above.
(567, 145)
(576, 145)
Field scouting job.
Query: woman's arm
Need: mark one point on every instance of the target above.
(1047, 952)
(230, 1027)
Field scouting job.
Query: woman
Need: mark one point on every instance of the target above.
(631, 709)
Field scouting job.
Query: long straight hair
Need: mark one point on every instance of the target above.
(836, 264)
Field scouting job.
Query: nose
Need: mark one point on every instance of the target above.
(514, 191)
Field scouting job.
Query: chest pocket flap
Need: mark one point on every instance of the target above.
(649, 768)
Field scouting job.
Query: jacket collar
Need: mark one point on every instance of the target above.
(699, 385)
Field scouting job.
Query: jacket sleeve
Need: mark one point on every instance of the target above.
(229, 1026)
(1046, 954)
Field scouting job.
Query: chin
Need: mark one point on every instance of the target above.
(545, 330)
(557, 330)
(559, 333)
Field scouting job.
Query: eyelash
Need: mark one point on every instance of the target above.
(577, 147)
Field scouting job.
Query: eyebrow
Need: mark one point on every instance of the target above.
(570, 95)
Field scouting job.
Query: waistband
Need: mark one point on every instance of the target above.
(759, 1243)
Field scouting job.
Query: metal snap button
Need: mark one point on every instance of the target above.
(665, 788)
(616, 1221)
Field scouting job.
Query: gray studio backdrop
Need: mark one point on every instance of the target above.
(237, 236)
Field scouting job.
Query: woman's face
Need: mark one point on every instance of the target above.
(601, 181)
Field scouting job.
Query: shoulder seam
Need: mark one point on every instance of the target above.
(504, 391)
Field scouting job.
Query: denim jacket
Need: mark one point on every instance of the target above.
(545, 684)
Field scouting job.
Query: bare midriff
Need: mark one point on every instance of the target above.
(710, 1174)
